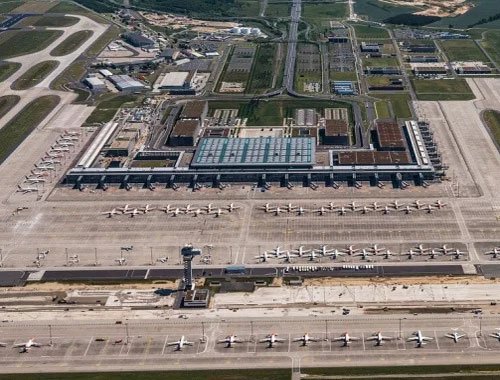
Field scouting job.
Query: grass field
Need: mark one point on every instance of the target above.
(321, 14)
(107, 108)
(343, 75)
(26, 42)
(368, 31)
(278, 10)
(7, 69)
(261, 76)
(6, 7)
(7, 102)
(49, 21)
(442, 89)
(70, 44)
(35, 6)
(382, 61)
(492, 119)
(383, 110)
(34, 75)
(463, 50)
(248, 8)
(18, 128)
(264, 374)
(491, 44)
(399, 102)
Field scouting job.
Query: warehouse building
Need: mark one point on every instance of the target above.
(336, 132)
(421, 58)
(369, 47)
(126, 83)
(388, 136)
(176, 80)
(95, 83)
(471, 68)
(194, 111)
(184, 133)
(382, 70)
(137, 39)
(429, 69)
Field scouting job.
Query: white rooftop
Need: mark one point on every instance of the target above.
(174, 79)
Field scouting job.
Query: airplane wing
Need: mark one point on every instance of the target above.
(3, 344)
(264, 340)
(353, 338)
(387, 338)
(19, 345)
(427, 338)
(189, 343)
(279, 340)
(449, 336)
(299, 339)
(173, 344)
(371, 338)
(412, 339)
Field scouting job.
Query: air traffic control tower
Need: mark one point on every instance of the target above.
(188, 253)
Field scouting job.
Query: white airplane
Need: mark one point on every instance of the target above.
(45, 167)
(166, 209)
(346, 338)
(266, 207)
(375, 206)
(417, 204)
(432, 253)
(124, 209)
(50, 162)
(439, 204)
(495, 252)
(301, 211)
(428, 208)
(350, 250)
(25, 190)
(54, 155)
(321, 211)
(147, 208)
(495, 335)
(331, 206)
(352, 206)
(36, 179)
(59, 149)
(305, 339)
(26, 346)
(209, 208)
(287, 256)
(230, 340)
(323, 250)
(3, 344)
(312, 256)
(396, 205)
(110, 213)
(445, 249)
(176, 211)
(364, 254)
(181, 343)
(456, 253)
(379, 338)
(231, 207)
(121, 261)
(365, 210)
(272, 339)
(419, 338)
(376, 249)
(64, 143)
(162, 260)
(420, 248)
(218, 212)
(343, 211)
(386, 210)
(187, 209)
(455, 336)
(301, 251)
(264, 257)
(71, 133)
(276, 211)
(407, 209)
(411, 253)
(197, 212)
(290, 207)
(133, 212)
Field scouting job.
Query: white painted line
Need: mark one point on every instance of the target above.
(88, 346)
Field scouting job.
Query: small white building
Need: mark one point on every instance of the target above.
(95, 83)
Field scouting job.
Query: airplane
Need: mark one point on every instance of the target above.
(417, 204)
(124, 209)
(271, 340)
(231, 207)
(420, 248)
(187, 209)
(432, 253)
(331, 206)
(287, 256)
(375, 206)
(181, 343)
(276, 211)
(264, 257)
(323, 250)
(64, 143)
(455, 336)
(110, 213)
(69, 137)
(147, 208)
(59, 149)
(71, 133)
(121, 261)
(495, 252)
(54, 155)
(439, 204)
(196, 212)
(407, 209)
(208, 208)
(25, 190)
(429, 208)
(3, 344)
(395, 205)
(495, 335)
(45, 167)
(376, 249)
(364, 254)
(301, 251)
(346, 338)
(365, 209)
(343, 211)
(218, 212)
(26, 346)
(230, 340)
(386, 210)
(312, 256)
(419, 338)
(411, 253)
(350, 250)
(50, 162)
(290, 207)
(321, 211)
(445, 249)
(133, 212)
(301, 211)
(305, 339)
(176, 211)
(456, 253)
(35, 180)
(379, 338)
(352, 206)
(266, 207)
(162, 260)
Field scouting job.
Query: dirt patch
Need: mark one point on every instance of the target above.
(449, 8)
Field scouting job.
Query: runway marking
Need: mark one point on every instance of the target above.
(88, 346)
(363, 341)
(164, 346)
(436, 339)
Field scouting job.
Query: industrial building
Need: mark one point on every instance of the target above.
(176, 80)
(344, 87)
(430, 69)
(95, 83)
(388, 136)
(305, 117)
(336, 132)
(382, 70)
(126, 83)
(184, 133)
(369, 47)
(471, 68)
(417, 48)
(422, 58)
(137, 39)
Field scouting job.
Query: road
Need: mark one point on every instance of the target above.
(289, 76)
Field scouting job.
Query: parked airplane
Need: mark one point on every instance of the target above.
(196, 212)
(428, 208)
(277, 211)
(376, 249)
(301, 251)
(266, 207)
(331, 206)
(379, 338)
(231, 207)
(350, 250)
(181, 343)
(407, 209)
(272, 339)
(305, 339)
(375, 206)
(420, 248)
(26, 346)
(396, 205)
(25, 190)
(124, 209)
(209, 208)
(187, 209)
(495, 252)
(147, 208)
(287, 256)
(419, 338)
(121, 261)
(455, 336)
(321, 211)
(439, 204)
(264, 257)
(495, 335)
(176, 211)
(445, 249)
(343, 211)
(417, 204)
(365, 209)
(166, 209)
(432, 253)
(411, 253)
(301, 211)
(110, 213)
(230, 340)
(133, 212)
(290, 207)
(346, 338)
(323, 250)
(386, 210)
(364, 254)
(353, 206)
(3, 344)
